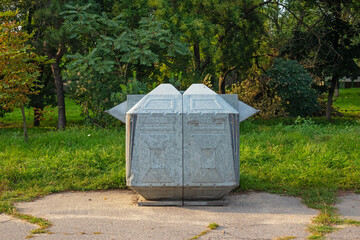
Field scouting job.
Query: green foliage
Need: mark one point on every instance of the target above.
(45, 97)
(98, 71)
(293, 84)
(18, 66)
(222, 35)
(132, 87)
(304, 121)
(256, 92)
(325, 42)
(3, 111)
(18, 63)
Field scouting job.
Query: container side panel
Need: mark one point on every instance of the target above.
(156, 162)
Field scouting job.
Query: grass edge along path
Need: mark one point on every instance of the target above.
(328, 220)
(77, 159)
(319, 139)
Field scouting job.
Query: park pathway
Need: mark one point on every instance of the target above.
(115, 215)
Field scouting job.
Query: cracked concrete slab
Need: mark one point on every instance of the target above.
(115, 215)
(12, 228)
(349, 208)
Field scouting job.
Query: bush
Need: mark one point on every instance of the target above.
(293, 84)
(255, 92)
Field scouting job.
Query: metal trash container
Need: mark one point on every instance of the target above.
(182, 146)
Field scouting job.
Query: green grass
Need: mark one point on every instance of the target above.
(300, 159)
(310, 158)
(75, 159)
(79, 158)
(211, 226)
(348, 102)
(73, 116)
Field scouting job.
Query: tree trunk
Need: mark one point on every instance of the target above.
(24, 123)
(56, 55)
(197, 57)
(198, 67)
(55, 68)
(222, 83)
(336, 93)
(334, 80)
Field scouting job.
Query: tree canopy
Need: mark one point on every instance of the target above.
(102, 49)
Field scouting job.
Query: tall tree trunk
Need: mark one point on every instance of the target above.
(199, 67)
(334, 80)
(29, 27)
(24, 124)
(222, 79)
(55, 68)
(222, 83)
(197, 57)
(336, 11)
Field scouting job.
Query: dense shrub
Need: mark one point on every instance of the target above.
(293, 84)
(255, 92)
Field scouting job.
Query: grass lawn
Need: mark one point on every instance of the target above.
(348, 102)
(73, 117)
(304, 159)
(79, 158)
(310, 158)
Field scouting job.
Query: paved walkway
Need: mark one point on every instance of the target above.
(349, 207)
(115, 215)
(11, 228)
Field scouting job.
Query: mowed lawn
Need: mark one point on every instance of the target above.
(310, 158)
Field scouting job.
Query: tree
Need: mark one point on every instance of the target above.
(109, 49)
(52, 42)
(18, 66)
(323, 40)
(223, 35)
(50, 38)
(46, 94)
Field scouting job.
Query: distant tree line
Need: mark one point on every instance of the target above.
(279, 56)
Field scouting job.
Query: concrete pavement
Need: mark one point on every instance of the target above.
(11, 228)
(349, 207)
(115, 215)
